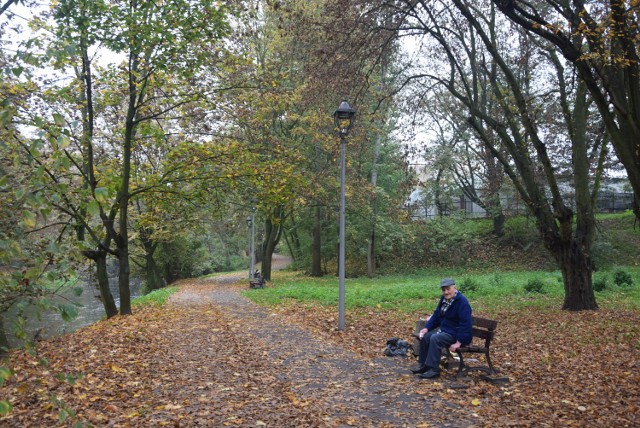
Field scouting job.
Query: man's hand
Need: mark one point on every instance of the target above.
(455, 346)
(422, 333)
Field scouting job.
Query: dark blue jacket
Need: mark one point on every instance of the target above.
(456, 320)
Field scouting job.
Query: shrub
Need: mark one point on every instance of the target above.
(497, 280)
(600, 284)
(469, 285)
(622, 278)
(534, 286)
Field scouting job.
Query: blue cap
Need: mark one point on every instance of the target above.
(447, 282)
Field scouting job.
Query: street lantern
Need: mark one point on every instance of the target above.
(344, 118)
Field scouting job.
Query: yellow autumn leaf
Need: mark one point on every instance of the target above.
(475, 402)
(292, 398)
(172, 406)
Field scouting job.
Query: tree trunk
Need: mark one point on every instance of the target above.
(273, 233)
(296, 247)
(153, 276)
(371, 252)
(576, 273)
(4, 341)
(122, 237)
(102, 276)
(108, 301)
(316, 246)
(124, 274)
(498, 218)
(371, 245)
(293, 241)
(98, 256)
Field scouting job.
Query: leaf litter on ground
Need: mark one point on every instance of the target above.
(192, 365)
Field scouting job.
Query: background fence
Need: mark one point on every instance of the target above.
(608, 202)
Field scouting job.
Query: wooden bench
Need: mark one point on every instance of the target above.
(258, 281)
(483, 329)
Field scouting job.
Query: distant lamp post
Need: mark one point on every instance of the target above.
(249, 227)
(344, 118)
(251, 222)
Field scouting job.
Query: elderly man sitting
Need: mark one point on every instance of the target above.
(448, 326)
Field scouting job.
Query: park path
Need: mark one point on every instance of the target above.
(352, 390)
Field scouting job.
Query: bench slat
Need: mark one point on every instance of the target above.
(484, 323)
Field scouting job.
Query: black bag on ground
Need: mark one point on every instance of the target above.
(396, 347)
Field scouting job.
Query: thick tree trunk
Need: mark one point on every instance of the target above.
(273, 233)
(316, 246)
(577, 275)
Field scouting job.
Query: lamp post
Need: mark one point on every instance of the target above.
(251, 222)
(343, 118)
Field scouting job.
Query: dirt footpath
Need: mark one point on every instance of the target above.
(348, 389)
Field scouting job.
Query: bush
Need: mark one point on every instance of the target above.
(534, 286)
(600, 284)
(469, 285)
(622, 278)
(497, 280)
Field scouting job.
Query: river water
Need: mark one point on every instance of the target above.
(50, 323)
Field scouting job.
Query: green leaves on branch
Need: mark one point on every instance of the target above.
(68, 311)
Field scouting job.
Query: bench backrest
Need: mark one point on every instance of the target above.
(483, 328)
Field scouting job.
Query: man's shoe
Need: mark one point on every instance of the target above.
(431, 374)
(420, 369)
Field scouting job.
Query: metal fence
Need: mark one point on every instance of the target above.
(608, 202)
(614, 202)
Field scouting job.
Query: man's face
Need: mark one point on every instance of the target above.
(449, 291)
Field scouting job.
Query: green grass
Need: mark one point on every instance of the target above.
(494, 288)
(417, 292)
(625, 215)
(155, 298)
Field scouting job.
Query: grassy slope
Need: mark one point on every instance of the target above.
(617, 243)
